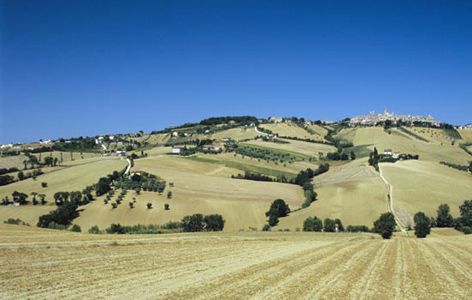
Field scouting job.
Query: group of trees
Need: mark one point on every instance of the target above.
(242, 120)
(316, 224)
(199, 222)
(303, 179)
(266, 154)
(63, 215)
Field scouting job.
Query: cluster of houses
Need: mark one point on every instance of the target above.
(372, 119)
(465, 127)
(116, 153)
(276, 120)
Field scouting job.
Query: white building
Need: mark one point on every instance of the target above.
(177, 150)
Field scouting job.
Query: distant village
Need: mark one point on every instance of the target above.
(372, 119)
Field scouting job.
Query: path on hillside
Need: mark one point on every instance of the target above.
(129, 166)
(256, 130)
(390, 202)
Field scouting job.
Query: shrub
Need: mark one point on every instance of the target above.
(149, 205)
(273, 220)
(266, 227)
(357, 228)
(278, 208)
(76, 228)
(115, 229)
(94, 230)
(44, 184)
(166, 206)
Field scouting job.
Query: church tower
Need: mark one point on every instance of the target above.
(385, 111)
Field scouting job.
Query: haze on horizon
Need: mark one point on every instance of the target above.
(77, 68)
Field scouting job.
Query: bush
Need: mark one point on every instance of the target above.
(422, 225)
(357, 228)
(115, 229)
(193, 223)
(273, 220)
(94, 230)
(149, 205)
(15, 222)
(166, 206)
(266, 227)
(385, 225)
(44, 184)
(76, 228)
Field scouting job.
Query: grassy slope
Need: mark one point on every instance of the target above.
(423, 186)
(13, 161)
(293, 130)
(303, 148)
(376, 137)
(69, 179)
(199, 188)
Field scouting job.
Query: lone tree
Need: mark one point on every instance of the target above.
(466, 214)
(278, 208)
(214, 222)
(166, 206)
(445, 218)
(149, 205)
(422, 225)
(385, 225)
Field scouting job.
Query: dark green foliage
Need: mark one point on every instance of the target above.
(6, 179)
(76, 228)
(214, 222)
(464, 223)
(329, 225)
(266, 227)
(312, 224)
(149, 205)
(63, 215)
(422, 225)
(193, 223)
(244, 120)
(15, 222)
(8, 170)
(273, 220)
(385, 225)
(339, 224)
(20, 197)
(357, 228)
(44, 184)
(278, 208)
(103, 186)
(115, 229)
(457, 167)
(94, 230)
(166, 206)
(444, 218)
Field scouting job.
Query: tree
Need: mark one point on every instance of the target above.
(329, 225)
(21, 176)
(266, 227)
(193, 223)
(48, 161)
(470, 167)
(63, 215)
(214, 222)
(273, 220)
(131, 205)
(353, 155)
(34, 194)
(339, 224)
(385, 225)
(278, 208)
(444, 218)
(312, 224)
(149, 205)
(466, 214)
(42, 196)
(422, 225)
(166, 206)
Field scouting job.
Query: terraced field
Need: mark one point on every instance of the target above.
(57, 265)
(401, 142)
(284, 129)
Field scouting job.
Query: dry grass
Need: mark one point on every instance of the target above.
(238, 133)
(304, 148)
(13, 162)
(423, 186)
(284, 129)
(68, 179)
(232, 266)
(466, 135)
(400, 142)
(199, 188)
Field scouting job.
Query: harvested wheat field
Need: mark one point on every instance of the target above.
(288, 129)
(51, 264)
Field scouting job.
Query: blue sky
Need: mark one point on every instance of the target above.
(77, 68)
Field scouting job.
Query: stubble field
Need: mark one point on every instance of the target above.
(49, 264)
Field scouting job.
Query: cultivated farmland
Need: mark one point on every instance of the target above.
(41, 263)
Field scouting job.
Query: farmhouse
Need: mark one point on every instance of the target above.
(217, 146)
(275, 119)
(388, 152)
(177, 150)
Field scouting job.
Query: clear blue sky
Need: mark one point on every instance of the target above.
(72, 68)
